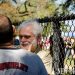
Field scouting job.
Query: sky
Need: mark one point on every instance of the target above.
(60, 1)
(70, 8)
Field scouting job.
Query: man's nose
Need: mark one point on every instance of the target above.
(23, 39)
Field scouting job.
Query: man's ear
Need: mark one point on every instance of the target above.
(14, 29)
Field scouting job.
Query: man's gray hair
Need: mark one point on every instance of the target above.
(37, 28)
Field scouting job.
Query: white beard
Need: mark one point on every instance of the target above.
(29, 45)
(34, 43)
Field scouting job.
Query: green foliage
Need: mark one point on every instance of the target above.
(47, 29)
(30, 9)
(68, 73)
(41, 8)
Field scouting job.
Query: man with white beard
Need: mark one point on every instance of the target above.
(30, 35)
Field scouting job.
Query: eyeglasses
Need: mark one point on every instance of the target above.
(25, 36)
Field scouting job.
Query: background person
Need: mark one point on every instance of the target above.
(15, 61)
